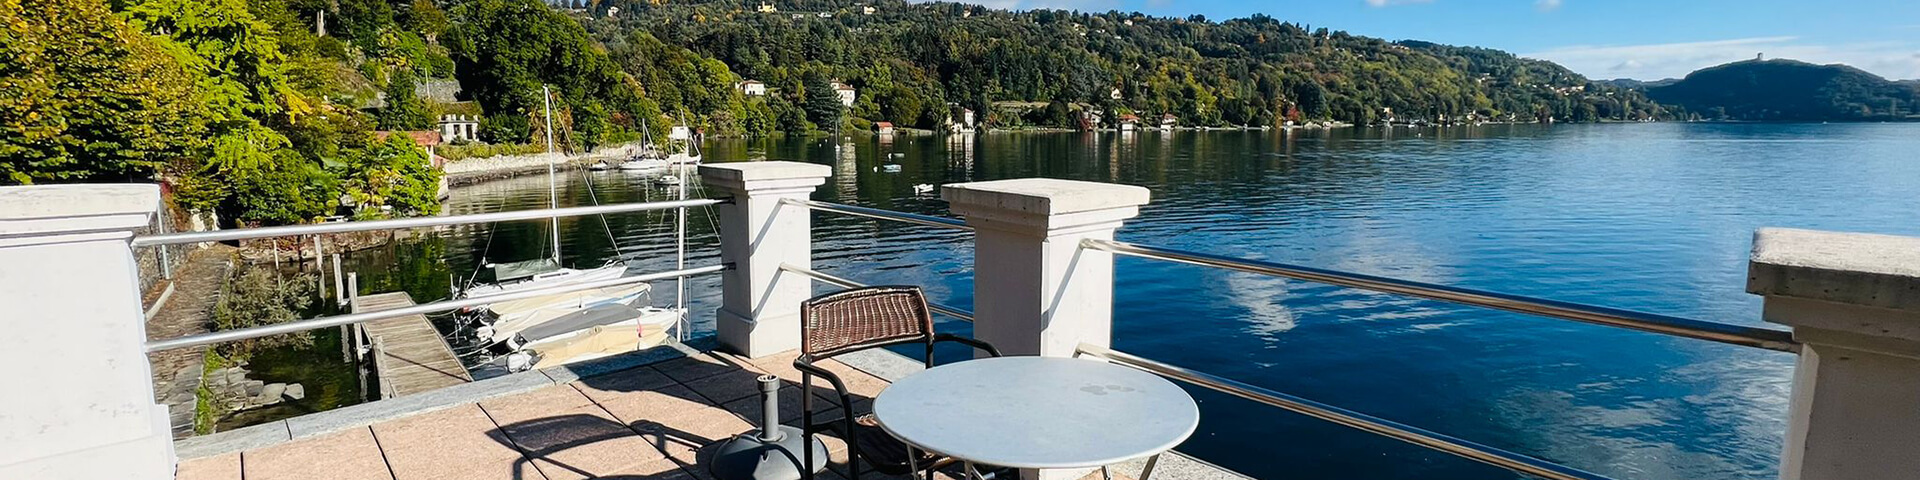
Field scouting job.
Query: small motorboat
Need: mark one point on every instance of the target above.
(890, 168)
(586, 334)
(666, 180)
(923, 189)
(600, 166)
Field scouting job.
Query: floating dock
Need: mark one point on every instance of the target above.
(409, 355)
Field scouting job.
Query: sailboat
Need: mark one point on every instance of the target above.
(688, 155)
(576, 326)
(543, 272)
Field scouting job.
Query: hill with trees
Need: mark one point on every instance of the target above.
(267, 111)
(910, 60)
(1789, 90)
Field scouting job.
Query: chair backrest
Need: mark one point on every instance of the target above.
(860, 318)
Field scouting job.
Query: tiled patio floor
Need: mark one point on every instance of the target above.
(652, 422)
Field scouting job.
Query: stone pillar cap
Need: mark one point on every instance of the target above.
(764, 175)
(1043, 196)
(32, 210)
(1862, 269)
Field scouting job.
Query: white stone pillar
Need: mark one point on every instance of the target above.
(760, 309)
(1035, 291)
(79, 401)
(1853, 301)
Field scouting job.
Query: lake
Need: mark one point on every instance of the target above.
(1651, 217)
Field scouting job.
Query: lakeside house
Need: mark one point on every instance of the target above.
(867, 10)
(1128, 122)
(845, 92)
(1168, 121)
(766, 8)
(1114, 94)
(752, 88)
(961, 120)
(425, 139)
(883, 128)
(459, 128)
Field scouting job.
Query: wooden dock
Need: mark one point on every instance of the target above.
(410, 356)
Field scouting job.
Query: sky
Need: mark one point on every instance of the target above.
(1602, 39)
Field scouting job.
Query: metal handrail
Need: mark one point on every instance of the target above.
(357, 318)
(1647, 322)
(954, 312)
(913, 218)
(1371, 424)
(341, 227)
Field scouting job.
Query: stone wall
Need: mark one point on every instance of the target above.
(475, 169)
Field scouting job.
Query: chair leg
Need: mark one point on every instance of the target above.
(806, 425)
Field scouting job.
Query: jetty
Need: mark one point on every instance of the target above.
(409, 355)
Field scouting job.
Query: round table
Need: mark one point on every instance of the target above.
(1038, 412)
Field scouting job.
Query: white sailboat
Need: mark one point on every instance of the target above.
(545, 272)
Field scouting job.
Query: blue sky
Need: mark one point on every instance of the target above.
(1645, 39)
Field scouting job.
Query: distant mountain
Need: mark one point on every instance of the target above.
(1640, 84)
(1788, 90)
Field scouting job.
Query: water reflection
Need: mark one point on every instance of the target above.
(1647, 217)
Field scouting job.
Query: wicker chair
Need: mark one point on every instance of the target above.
(860, 319)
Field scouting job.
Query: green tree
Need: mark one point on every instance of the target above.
(84, 96)
(391, 173)
(404, 110)
(822, 103)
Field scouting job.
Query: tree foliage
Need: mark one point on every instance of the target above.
(1789, 90)
(86, 97)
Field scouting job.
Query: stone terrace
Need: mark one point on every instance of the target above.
(657, 421)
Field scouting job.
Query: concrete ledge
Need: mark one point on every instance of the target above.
(273, 433)
(1045, 196)
(1869, 270)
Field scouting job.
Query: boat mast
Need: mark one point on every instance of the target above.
(680, 236)
(553, 194)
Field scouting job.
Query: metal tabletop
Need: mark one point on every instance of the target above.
(1037, 412)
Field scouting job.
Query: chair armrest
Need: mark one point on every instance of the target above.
(976, 344)
(839, 387)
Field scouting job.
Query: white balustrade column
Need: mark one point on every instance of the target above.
(760, 312)
(1853, 301)
(79, 401)
(1035, 291)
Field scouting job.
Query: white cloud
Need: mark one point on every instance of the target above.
(1389, 3)
(1897, 60)
(1546, 5)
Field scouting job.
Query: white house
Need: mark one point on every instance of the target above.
(767, 8)
(752, 88)
(846, 93)
(1114, 94)
(455, 128)
(867, 10)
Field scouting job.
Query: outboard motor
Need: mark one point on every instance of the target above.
(773, 453)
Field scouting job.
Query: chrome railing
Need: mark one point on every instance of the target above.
(358, 318)
(1376, 425)
(954, 312)
(1647, 322)
(402, 223)
(914, 218)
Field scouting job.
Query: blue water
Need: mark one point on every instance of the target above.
(1651, 217)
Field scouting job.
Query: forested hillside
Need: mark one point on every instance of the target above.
(1788, 90)
(910, 59)
(266, 111)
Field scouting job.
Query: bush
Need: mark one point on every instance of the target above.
(484, 150)
(261, 297)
